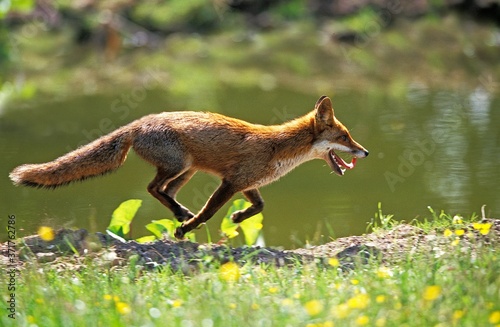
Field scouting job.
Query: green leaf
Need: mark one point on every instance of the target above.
(23, 5)
(146, 239)
(158, 227)
(123, 216)
(251, 227)
(228, 227)
(191, 236)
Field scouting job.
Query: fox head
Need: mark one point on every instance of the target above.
(331, 135)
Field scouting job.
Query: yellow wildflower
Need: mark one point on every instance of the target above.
(354, 281)
(340, 311)
(359, 301)
(447, 232)
(107, 297)
(457, 314)
(230, 272)
(319, 324)
(313, 307)
(46, 233)
(494, 317)
(455, 242)
(334, 262)
(432, 292)
(457, 220)
(273, 290)
(380, 299)
(232, 305)
(484, 229)
(123, 308)
(459, 232)
(177, 303)
(362, 320)
(384, 272)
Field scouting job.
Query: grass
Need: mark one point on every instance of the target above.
(460, 287)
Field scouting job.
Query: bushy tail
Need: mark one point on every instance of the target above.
(96, 158)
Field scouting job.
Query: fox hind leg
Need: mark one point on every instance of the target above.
(175, 185)
(257, 206)
(165, 186)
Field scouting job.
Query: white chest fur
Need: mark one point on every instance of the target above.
(281, 167)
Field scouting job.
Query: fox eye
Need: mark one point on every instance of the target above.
(344, 138)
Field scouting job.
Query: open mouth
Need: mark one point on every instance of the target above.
(338, 164)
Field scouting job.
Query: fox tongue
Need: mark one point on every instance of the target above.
(344, 164)
(338, 164)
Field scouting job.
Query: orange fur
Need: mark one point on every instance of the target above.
(244, 155)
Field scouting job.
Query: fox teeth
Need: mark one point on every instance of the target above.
(338, 164)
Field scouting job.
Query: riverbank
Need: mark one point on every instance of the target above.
(442, 272)
(391, 245)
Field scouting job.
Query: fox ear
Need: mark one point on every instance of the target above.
(324, 113)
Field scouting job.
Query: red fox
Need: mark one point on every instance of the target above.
(245, 156)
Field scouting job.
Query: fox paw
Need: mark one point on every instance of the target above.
(179, 233)
(238, 216)
(184, 215)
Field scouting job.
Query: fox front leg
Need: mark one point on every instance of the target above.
(257, 206)
(225, 191)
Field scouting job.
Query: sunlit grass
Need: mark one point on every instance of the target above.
(460, 287)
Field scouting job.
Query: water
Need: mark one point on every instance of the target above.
(429, 148)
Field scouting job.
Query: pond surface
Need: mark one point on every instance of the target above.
(428, 148)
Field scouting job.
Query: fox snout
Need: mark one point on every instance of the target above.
(360, 153)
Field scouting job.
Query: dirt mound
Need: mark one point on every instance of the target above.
(404, 240)
(391, 246)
